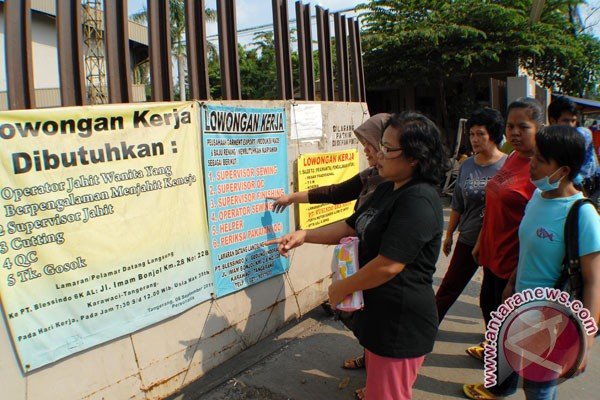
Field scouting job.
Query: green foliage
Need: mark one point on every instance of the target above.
(257, 68)
(258, 71)
(214, 76)
(426, 42)
(178, 44)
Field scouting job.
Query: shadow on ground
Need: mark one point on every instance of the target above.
(309, 368)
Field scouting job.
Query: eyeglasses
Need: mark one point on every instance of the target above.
(383, 149)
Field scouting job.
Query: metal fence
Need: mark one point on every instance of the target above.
(349, 85)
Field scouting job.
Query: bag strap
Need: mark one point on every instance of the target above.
(571, 266)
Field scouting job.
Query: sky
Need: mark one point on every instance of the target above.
(591, 16)
(252, 13)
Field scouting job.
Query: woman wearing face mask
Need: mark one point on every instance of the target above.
(486, 129)
(558, 157)
(506, 195)
(359, 187)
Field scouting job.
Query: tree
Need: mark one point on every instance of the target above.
(433, 43)
(442, 43)
(178, 44)
(258, 71)
(568, 60)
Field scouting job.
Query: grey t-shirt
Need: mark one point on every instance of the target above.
(468, 198)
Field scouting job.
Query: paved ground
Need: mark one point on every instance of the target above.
(302, 361)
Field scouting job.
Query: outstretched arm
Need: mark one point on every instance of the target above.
(280, 203)
(329, 234)
(335, 194)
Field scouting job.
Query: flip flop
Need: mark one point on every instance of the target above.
(360, 394)
(477, 351)
(477, 391)
(354, 363)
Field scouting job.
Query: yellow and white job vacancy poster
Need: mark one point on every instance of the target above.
(103, 223)
(323, 169)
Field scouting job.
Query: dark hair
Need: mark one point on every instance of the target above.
(533, 107)
(562, 144)
(560, 105)
(420, 140)
(491, 119)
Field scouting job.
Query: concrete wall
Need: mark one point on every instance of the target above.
(159, 360)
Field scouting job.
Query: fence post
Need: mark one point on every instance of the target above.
(341, 45)
(195, 36)
(283, 61)
(358, 92)
(305, 53)
(230, 66)
(70, 53)
(160, 50)
(19, 58)
(117, 51)
(325, 67)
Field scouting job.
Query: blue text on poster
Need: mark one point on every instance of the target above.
(245, 159)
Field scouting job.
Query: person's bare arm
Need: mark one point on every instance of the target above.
(590, 271)
(377, 272)
(475, 251)
(336, 194)
(280, 203)
(329, 234)
(509, 290)
(452, 224)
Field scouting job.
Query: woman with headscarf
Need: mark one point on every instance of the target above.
(359, 187)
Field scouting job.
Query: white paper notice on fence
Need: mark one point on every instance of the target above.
(307, 121)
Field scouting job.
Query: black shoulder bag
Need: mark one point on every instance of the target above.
(571, 280)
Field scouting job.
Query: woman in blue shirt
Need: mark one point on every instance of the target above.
(558, 157)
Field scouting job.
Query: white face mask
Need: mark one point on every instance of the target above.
(544, 183)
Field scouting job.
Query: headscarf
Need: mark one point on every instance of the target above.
(370, 131)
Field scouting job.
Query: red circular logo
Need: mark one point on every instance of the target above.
(542, 343)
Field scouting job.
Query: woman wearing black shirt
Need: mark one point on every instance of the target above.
(400, 230)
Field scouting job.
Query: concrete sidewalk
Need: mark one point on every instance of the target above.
(302, 362)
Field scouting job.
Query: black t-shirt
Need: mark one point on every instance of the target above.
(400, 318)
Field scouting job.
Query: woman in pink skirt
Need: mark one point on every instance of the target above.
(400, 230)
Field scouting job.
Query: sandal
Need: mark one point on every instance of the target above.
(360, 394)
(354, 363)
(477, 391)
(477, 351)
